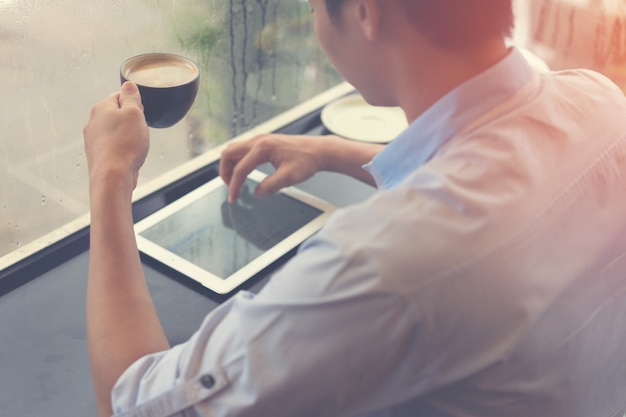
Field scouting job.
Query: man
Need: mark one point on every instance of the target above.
(486, 278)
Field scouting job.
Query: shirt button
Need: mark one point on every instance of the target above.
(207, 381)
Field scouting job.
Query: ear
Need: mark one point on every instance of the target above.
(368, 15)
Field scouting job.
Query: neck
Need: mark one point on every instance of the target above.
(421, 79)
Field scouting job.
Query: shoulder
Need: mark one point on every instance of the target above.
(586, 87)
(583, 76)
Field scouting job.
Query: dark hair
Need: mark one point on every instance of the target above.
(452, 24)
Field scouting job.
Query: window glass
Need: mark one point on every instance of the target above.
(258, 58)
(577, 34)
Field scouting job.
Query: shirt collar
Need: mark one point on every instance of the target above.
(447, 117)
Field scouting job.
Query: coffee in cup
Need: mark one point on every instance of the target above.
(168, 85)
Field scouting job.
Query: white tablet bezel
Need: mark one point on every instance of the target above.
(207, 278)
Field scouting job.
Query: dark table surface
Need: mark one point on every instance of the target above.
(44, 369)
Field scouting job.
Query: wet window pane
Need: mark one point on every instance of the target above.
(258, 58)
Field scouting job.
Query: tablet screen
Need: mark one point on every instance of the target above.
(205, 237)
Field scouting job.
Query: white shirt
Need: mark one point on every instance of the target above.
(486, 279)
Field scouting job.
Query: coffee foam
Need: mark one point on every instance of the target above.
(161, 72)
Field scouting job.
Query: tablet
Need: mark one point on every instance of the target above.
(221, 245)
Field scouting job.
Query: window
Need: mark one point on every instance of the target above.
(258, 58)
(578, 34)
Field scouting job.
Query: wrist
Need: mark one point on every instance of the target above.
(111, 182)
(326, 152)
(341, 155)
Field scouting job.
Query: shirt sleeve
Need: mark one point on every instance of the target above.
(324, 337)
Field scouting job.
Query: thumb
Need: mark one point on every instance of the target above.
(129, 96)
(272, 184)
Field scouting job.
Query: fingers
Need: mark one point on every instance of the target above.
(230, 158)
(236, 171)
(129, 95)
(286, 176)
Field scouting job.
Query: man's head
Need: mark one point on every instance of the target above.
(409, 53)
(451, 24)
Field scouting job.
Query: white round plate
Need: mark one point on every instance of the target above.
(352, 118)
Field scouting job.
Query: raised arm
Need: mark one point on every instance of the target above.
(122, 324)
(296, 158)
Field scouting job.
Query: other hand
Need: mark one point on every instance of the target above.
(295, 158)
